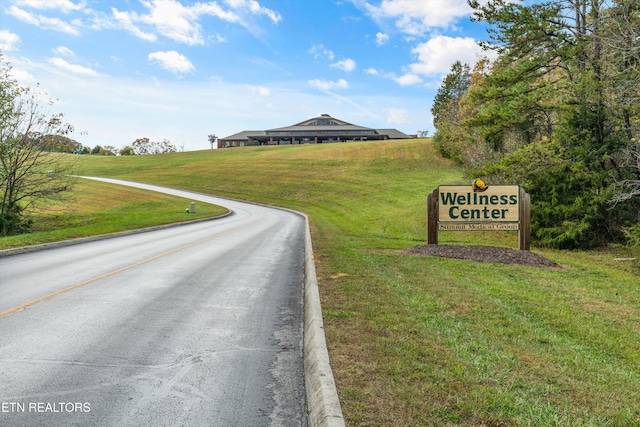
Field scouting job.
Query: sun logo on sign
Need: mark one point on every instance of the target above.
(479, 186)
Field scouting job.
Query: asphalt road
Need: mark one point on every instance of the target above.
(195, 325)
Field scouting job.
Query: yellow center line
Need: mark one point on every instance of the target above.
(129, 267)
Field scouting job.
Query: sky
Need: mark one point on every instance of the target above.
(181, 70)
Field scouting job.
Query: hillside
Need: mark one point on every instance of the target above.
(423, 340)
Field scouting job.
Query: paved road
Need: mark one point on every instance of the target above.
(196, 325)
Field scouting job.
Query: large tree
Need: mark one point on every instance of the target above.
(558, 90)
(29, 173)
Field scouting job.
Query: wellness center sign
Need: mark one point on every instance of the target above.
(478, 207)
(496, 208)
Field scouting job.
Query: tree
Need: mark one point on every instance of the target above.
(213, 139)
(552, 88)
(107, 150)
(450, 137)
(454, 86)
(29, 173)
(61, 144)
(144, 146)
(126, 151)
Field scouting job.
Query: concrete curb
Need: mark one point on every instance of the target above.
(322, 397)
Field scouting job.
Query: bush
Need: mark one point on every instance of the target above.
(570, 197)
(12, 222)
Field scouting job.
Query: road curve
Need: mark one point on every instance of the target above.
(199, 324)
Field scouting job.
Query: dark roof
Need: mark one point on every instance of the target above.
(393, 133)
(320, 125)
(323, 120)
(244, 135)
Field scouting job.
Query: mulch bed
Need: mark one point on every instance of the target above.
(484, 254)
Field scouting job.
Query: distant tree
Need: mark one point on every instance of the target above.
(126, 151)
(213, 138)
(61, 144)
(144, 146)
(29, 173)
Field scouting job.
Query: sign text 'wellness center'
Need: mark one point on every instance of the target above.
(461, 208)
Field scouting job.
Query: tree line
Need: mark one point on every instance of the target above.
(141, 146)
(556, 111)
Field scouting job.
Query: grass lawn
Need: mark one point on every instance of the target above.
(422, 341)
(99, 208)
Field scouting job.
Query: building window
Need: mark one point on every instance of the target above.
(324, 122)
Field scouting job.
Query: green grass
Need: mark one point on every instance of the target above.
(100, 208)
(422, 341)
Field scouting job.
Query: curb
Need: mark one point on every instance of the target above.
(322, 397)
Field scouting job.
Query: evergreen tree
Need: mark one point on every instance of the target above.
(447, 115)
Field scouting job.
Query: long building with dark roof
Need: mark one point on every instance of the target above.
(317, 130)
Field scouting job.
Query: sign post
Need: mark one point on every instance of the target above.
(479, 208)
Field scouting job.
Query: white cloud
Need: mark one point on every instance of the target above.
(397, 116)
(255, 8)
(167, 17)
(217, 38)
(24, 77)
(63, 51)
(327, 85)
(318, 51)
(381, 39)
(415, 17)
(347, 65)
(73, 68)
(65, 6)
(172, 61)
(408, 79)
(175, 21)
(8, 41)
(42, 21)
(126, 19)
(436, 56)
(178, 22)
(260, 90)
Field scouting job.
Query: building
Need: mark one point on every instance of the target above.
(313, 131)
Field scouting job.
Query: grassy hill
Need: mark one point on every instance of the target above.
(424, 341)
(99, 208)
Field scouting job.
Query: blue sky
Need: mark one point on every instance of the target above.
(183, 69)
